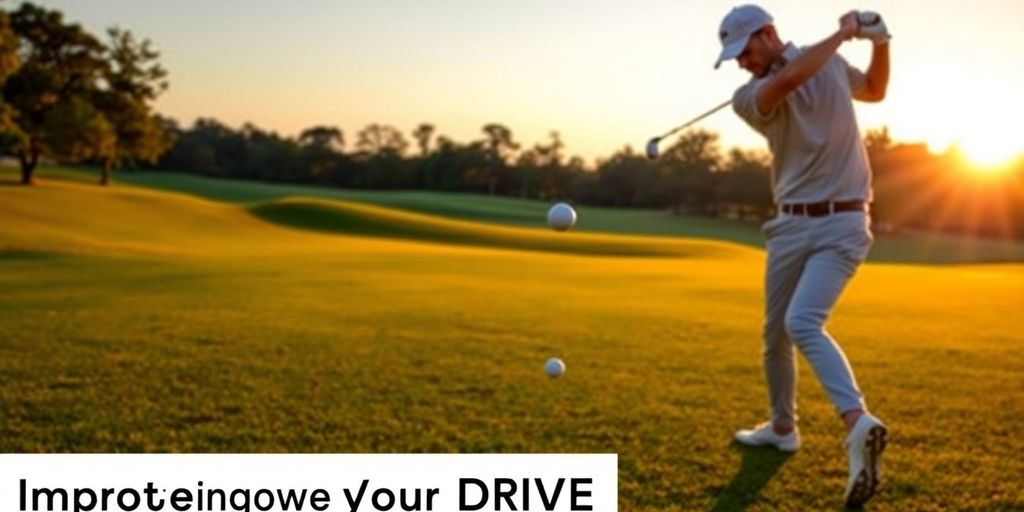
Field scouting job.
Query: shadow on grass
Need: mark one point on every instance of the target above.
(23, 255)
(758, 467)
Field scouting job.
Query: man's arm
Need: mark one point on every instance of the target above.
(774, 90)
(877, 76)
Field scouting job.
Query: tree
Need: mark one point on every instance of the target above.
(77, 131)
(270, 157)
(903, 175)
(324, 138)
(500, 148)
(61, 65)
(132, 80)
(528, 171)
(11, 135)
(9, 59)
(377, 140)
(227, 148)
(381, 149)
(423, 134)
(71, 91)
(746, 183)
(455, 167)
(626, 178)
(687, 169)
(555, 182)
(321, 147)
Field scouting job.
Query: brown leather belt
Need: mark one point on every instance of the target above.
(823, 208)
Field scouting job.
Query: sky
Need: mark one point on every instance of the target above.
(603, 73)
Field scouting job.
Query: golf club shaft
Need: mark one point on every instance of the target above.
(694, 120)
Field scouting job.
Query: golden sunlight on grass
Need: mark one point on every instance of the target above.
(135, 320)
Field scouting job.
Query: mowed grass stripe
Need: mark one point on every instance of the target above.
(909, 247)
(138, 220)
(361, 219)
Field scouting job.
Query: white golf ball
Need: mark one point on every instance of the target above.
(561, 216)
(554, 367)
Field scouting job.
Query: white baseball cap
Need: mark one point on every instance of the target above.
(736, 29)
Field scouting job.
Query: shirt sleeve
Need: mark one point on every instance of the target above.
(854, 76)
(744, 102)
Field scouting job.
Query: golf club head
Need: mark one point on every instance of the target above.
(652, 148)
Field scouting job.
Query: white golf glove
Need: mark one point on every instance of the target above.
(872, 27)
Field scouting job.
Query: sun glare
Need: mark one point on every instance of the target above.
(991, 152)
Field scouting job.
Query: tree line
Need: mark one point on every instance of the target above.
(693, 174)
(918, 190)
(914, 188)
(70, 96)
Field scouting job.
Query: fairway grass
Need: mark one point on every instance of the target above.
(348, 218)
(913, 247)
(139, 320)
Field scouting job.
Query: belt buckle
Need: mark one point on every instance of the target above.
(831, 207)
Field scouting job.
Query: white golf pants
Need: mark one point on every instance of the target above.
(810, 260)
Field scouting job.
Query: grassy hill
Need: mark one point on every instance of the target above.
(902, 248)
(136, 319)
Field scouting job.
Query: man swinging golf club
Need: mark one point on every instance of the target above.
(800, 99)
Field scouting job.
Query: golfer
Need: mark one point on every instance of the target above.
(800, 99)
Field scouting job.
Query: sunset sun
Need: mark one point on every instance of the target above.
(990, 150)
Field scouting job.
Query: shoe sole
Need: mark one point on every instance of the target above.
(756, 444)
(869, 478)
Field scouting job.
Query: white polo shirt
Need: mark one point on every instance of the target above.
(817, 151)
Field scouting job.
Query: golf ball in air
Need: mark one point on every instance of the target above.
(554, 367)
(561, 216)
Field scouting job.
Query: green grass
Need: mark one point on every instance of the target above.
(140, 320)
(889, 248)
(343, 217)
(475, 207)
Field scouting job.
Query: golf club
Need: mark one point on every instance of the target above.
(652, 145)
